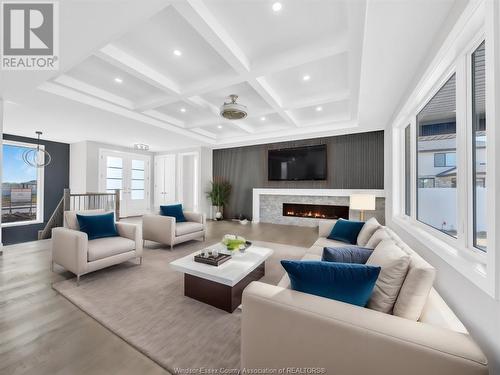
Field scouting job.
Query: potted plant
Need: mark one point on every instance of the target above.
(219, 195)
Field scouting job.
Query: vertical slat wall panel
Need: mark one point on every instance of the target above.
(355, 161)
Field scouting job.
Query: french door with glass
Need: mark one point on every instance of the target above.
(130, 174)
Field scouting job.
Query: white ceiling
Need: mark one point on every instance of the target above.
(361, 58)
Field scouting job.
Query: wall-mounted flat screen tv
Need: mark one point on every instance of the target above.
(297, 164)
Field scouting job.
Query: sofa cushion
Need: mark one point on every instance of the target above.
(187, 228)
(367, 231)
(321, 243)
(98, 226)
(350, 283)
(394, 263)
(346, 254)
(415, 290)
(346, 231)
(105, 247)
(379, 235)
(173, 210)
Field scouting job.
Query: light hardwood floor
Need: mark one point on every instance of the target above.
(43, 333)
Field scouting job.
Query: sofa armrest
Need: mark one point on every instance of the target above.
(284, 328)
(158, 228)
(69, 249)
(195, 217)
(132, 232)
(325, 227)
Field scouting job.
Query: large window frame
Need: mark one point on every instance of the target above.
(475, 25)
(39, 191)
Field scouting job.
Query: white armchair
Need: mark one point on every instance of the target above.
(165, 229)
(72, 249)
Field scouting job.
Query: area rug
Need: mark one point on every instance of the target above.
(145, 305)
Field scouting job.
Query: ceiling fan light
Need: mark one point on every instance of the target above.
(232, 110)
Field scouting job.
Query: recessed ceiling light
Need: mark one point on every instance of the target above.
(177, 52)
(219, 126)
(183, 109)
(319, 109)
(277, 6)
(307, 77)
(118, 80)
(263, 118)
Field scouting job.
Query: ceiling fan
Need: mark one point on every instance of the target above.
(232, 110)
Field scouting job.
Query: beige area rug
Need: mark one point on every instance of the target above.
(145, 305)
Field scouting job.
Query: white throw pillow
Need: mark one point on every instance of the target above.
(367, 231)
(416, 287)
(377, 237)
(394, 264)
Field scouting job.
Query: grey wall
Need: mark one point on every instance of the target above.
(355, 161)
(56, 179)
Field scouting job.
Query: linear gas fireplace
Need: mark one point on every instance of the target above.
(316, 211)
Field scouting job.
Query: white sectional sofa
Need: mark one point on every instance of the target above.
(283, 328)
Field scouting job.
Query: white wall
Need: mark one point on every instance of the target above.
(78, 167)
(206, 172)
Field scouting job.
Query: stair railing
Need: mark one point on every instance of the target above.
(80, 202)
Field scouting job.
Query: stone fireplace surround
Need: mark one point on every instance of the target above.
(268, 204)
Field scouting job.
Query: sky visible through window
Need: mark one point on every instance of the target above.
(15, 170)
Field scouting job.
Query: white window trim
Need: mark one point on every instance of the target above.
(39, 192)
(476, 23)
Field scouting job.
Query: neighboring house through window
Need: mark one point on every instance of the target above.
(445, 159)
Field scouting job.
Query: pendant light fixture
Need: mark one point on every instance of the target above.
(37, 157)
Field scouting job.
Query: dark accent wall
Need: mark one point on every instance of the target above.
(56, 179)
(355, 161)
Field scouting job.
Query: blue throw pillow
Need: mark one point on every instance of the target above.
(173, 210)
(350, 283)
(346, 231)
(98, 226)
(346, 254)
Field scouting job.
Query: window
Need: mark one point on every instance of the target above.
(479, 148)
(408, 170)
(22, 186)
(426, 183)
(137, 189)
(445, 159)
(114, 174)
(436, 130)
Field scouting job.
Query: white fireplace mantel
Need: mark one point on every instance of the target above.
(306, 192)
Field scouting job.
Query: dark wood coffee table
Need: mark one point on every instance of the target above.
(222, 286)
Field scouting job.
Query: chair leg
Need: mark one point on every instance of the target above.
(140, 260)
(52, 265)
(172, 247)
(77, 280)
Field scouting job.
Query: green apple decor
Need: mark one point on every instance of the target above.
(233, 242)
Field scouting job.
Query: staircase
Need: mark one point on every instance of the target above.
(80, 202)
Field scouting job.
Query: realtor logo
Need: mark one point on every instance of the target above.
(30, 35)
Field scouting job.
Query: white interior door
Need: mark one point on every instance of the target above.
(165, 180)
(130, 174)
(137, 182)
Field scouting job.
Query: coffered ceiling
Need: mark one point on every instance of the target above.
(291, 68)
(298, 69)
